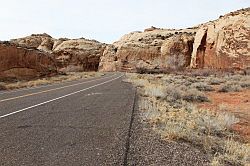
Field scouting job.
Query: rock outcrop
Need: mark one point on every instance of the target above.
(79, 54)
(70, 54)
(18, 62)
(152, 49)
(219, 44)
(223, 43)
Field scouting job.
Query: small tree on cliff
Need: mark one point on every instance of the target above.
(176, 62)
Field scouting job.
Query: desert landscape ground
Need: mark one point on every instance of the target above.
(157, 97)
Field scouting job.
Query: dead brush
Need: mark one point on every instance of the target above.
(156, 91)
(49, 80)
(230, 87)
(201, 86)
(215, 81)
(2, 86)
(193, 95)
(234, 153)
(167, 104)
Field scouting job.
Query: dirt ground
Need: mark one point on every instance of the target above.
(236, 102)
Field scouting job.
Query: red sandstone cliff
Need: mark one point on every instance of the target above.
(152, 49)
(220, 44)
(223, 43)
(18, 62)
(70, 54)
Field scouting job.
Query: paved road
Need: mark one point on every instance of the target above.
(82, 122)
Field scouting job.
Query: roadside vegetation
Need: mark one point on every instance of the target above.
(169, 103)
(70, 76)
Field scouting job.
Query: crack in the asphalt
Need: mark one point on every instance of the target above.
(127, 146)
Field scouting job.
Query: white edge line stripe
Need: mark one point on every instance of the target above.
(49, 101)
(43, 86)
(62, 87)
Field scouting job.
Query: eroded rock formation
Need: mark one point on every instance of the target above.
(223, 43)
(18, 62)
(220, 44)
(151, 49)
(70, 54)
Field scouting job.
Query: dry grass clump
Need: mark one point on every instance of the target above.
(235, 83)
(175, 95)
(230, 87)
(49, 80)
(245, 83)
(155, 91)
(215, 81)
(193, 95)
(2, 86)
(234, 154)
(167, 103)
(202, 86)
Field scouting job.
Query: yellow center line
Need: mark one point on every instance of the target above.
(32, 94)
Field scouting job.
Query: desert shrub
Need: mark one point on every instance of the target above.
(192, 79)
(235, 77)
(215, 81)
(166, 103)
(179, 81)
(173, 96)
(201, 72)
(140, 82)
(234, 153)
(157, 91)
(201, 86)
(193, 95)
(245, 84)
(230, 88)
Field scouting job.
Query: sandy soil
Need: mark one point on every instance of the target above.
(236, 102)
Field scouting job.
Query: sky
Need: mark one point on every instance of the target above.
(105, 20)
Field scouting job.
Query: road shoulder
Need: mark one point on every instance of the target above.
(147, 148)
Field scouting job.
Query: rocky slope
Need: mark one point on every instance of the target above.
(70, 54)
(18, 62)
(220, 44)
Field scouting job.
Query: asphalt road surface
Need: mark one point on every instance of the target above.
(84, 122)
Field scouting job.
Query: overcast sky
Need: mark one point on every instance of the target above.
(105, 20)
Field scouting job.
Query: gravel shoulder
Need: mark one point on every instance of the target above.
(147, 148)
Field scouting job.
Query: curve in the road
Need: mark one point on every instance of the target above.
(49, 101)
(67, 86)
